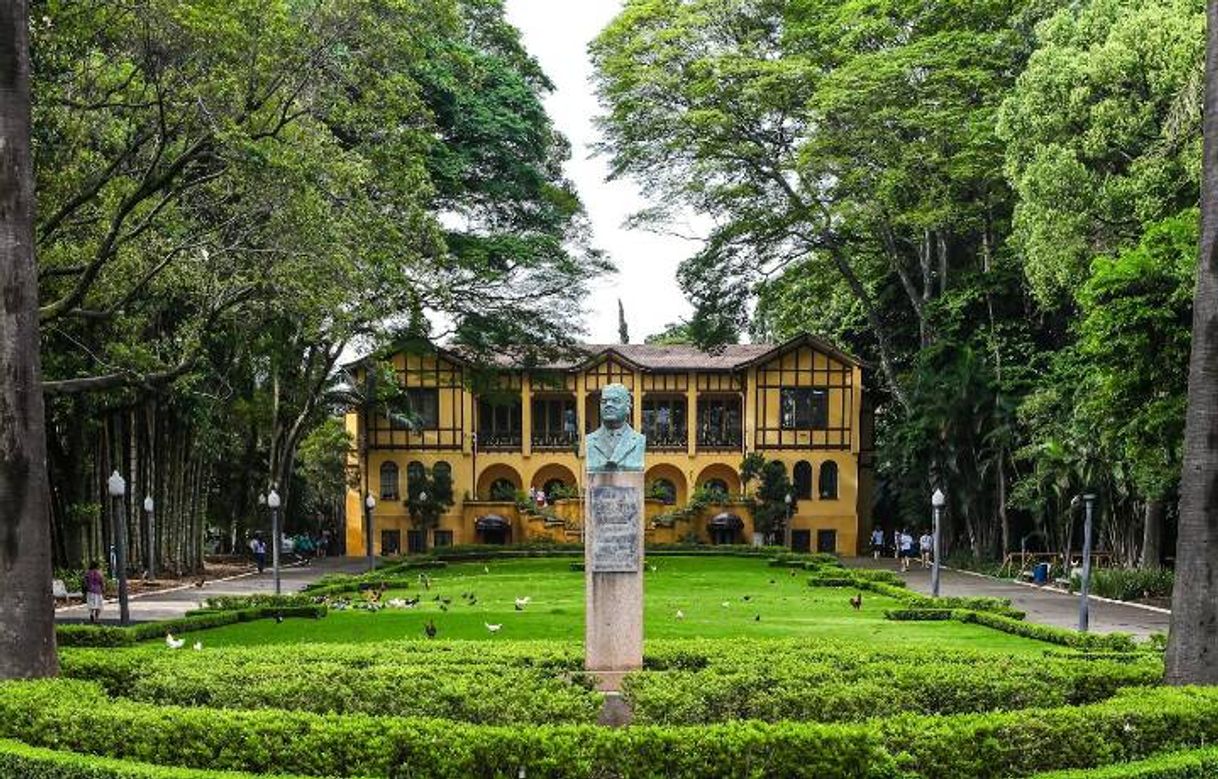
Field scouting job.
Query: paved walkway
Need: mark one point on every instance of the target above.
(172, 603)
(1044, 605)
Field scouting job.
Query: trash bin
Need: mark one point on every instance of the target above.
(1040, 574)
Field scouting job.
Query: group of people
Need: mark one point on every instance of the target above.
(304, 546)
(902, 546)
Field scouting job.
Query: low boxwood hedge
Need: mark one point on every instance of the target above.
(880, 583)
(1130, 726)
(107, 635)
(19, 761)
(1193, 764)
(1118, 642)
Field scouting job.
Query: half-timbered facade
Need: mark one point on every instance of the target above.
(520, 431)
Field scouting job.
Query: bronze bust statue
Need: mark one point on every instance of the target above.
(615, 446)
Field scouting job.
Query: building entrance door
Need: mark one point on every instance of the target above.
(801, 540)
(414, 541)
(826, 541)
(391, 542)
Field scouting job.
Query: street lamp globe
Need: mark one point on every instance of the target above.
(261, 499)
(788, 499)
(148, 503)
(370, 501)
(116, 485)
(938, 500)
(422, 497)
(272, 499)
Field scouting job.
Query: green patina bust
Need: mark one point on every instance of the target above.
(615, 446)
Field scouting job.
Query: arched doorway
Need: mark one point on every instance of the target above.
(666, 482)
(499, 482)
(555, 480)
(720, 476)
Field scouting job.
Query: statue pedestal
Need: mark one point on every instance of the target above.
(613, 565)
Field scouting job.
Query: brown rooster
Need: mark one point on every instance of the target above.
(857, 601)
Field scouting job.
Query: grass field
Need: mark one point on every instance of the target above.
(762, 602)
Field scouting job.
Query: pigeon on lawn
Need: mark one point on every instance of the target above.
(430, 629)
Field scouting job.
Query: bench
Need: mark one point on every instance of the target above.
(60, 591)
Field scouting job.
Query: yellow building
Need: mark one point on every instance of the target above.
(518, 432)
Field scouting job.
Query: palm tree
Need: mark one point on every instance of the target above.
(1192, 648)
(27, 617)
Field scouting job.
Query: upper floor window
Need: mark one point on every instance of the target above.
(719, 421)
(417, 408)
(389, 481)
(554, 422)
(499, 424)
(664, 422)
(805, 408)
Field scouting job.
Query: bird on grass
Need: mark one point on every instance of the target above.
(486, 569)
(792, 571)
(473, 601)
(522, 602)
(773, 581)
(201, 581)
(680, 614)
(278, 618)
(446, 601)
(757, 618)
(746, 597)
(174, 643)
(198, 647)
(443, 607)
(726, 603)
(857, 601)
(492, 628)
(430, 629)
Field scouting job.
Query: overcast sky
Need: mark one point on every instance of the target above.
(557, 33)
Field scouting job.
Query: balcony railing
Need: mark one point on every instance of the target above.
(500, 440)
(720, 439)
(548, 440)
(666, 439)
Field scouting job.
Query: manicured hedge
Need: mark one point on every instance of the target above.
(685, 682)
(1131, 726)
(18, 761)
(1121, 642)
(106, 635)
(882, 586)
(919, 615)
(1193, 764)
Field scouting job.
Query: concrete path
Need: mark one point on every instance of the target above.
(1045, 605)
(173, 603)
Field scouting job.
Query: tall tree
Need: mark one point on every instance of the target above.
(1192, 648)
(623, 334)
(27, 613)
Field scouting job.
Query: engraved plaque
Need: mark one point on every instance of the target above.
(613, 511)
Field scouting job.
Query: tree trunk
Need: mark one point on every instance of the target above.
(27, 612)
(1152, 534)
(1192, 648)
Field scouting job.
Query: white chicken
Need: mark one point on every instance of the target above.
(198, 647)
(680, 614)
(174, 643)
(492, 628)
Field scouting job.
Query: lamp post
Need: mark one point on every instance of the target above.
(786, 531)
(369, 504)
(148, 505)
(1083, 613)
(423, 530)
(272, 500)
(937, 501)
(117, 489)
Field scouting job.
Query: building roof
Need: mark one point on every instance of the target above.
(656, 357)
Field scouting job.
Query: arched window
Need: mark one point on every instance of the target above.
(665, 490)
(503, 489)
(803, 480)
(389, 481)
(716, 485)
(442, 469)
(555, 488)
(416, 475)
(828, 480)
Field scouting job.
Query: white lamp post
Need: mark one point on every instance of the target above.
(117, 488)
(786, 531)
(1084, 616)
(272, 500)
(369, 504)
(423, 531)
(937, 501)
(148, 506)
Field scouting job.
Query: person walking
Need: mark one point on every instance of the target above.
(925, 544)
(877, 542)
(259, 549)
(95, 588)
(907, 550)
(896, 543)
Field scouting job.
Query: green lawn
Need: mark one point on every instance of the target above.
(778, 605)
